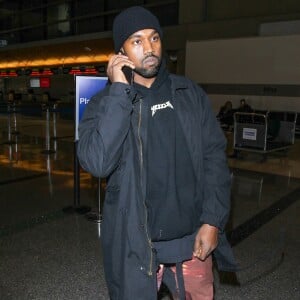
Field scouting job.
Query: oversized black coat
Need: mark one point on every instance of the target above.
(112, 144)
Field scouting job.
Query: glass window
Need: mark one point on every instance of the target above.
(58, 20)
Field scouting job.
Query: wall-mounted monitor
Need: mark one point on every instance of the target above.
(42, 82)
(34, 82)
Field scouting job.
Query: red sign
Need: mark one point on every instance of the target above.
(44, 82)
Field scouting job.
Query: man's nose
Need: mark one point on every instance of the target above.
(148, 47)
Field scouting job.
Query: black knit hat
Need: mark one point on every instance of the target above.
(130, 21)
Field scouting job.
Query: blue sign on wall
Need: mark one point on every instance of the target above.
(86, 88)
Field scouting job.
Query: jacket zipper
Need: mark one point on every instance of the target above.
(141, 174)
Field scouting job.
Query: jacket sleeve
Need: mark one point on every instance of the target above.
(103, 129)
(217, 179)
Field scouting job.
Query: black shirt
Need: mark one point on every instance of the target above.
(170, 175)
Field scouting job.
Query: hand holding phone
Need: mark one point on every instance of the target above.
(128, 72)
(120, 69)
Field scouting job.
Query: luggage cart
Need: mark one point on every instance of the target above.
(265, 132)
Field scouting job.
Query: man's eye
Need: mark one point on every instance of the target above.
(136, 42)
(155, 38)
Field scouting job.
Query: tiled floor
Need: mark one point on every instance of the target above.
(46, 253)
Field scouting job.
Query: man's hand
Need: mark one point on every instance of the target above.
(206, 241)
(115, 65)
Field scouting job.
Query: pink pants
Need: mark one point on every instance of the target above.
(198, 278)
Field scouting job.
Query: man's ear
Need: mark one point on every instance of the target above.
(122, 51)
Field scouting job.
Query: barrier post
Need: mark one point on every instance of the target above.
(86, 87)
(54, 117)
(47, 137)
(96, 216)
(76, 196)
(14, 113)
(81, 209)
(9, 130)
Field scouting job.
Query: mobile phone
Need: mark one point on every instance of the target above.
(128, 72)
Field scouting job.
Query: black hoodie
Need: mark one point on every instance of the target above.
(170, 175)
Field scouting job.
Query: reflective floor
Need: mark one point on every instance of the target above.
(49, 250)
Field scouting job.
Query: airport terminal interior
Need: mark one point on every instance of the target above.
(50, 208)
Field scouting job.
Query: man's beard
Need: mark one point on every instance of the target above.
(149, 72)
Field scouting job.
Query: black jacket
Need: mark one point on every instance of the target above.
(110, 146)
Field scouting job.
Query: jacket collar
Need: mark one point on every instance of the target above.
(178, 82)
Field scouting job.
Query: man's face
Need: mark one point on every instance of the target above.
(143, 48)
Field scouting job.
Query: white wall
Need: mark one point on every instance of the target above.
(257, 60)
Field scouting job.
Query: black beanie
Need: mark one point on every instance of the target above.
(130, 21)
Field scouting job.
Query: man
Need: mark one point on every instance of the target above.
(244, 107)
(157, 141)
